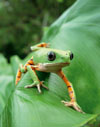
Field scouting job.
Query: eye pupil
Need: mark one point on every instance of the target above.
(51, 56)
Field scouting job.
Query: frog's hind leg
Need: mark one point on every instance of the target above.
(23, 69)
(43, 44)
(37, 83)
(39, 46)
(29, 66)
(18, 76)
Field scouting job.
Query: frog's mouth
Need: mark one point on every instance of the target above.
(52, 67)
(57, 64)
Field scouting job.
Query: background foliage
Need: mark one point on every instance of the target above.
(22, 23)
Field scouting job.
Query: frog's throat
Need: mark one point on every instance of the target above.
(51, 67)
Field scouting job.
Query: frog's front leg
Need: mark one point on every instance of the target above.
(73, 102)
(37, 83)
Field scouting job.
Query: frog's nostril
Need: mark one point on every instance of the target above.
(71, 56)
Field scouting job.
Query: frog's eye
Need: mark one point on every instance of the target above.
(51, 56)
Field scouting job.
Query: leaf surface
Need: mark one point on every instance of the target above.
(77, 30)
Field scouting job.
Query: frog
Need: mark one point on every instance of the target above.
(49, 60)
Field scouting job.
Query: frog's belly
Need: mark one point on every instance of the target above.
(51, 67)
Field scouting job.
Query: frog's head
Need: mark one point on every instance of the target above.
(52, 60)
(59, 57)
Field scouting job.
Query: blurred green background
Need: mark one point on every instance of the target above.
(23, 22)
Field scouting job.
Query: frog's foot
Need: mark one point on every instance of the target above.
(74, 105)
(38, 85)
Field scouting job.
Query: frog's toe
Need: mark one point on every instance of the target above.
(30, 86)
(38, 85)
(34, 85)
(41, 83)
(39, 89)
(74, 105)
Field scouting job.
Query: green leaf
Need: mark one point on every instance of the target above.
(26, 107)
(77, 29)
(6, 88)
(5, 68)
(15, 61)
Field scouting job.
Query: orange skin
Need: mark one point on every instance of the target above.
(43, 45)
(18, 77)
(69, 86)
(19, 73)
